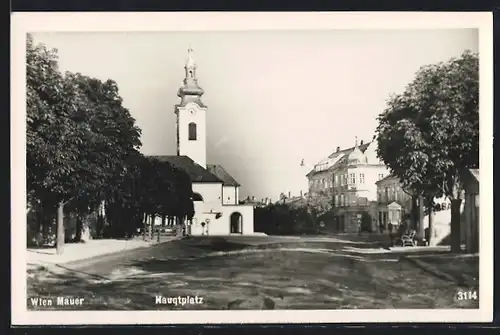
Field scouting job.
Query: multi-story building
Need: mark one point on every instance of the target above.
(348, 176)
(395, 206)
(393, 201)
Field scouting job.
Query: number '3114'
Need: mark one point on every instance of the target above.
(467, 295)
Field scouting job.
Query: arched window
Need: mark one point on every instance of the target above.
(197, 197)
(192, 131)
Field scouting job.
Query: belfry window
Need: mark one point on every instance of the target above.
(192, 131)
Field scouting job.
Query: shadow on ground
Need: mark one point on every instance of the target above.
(231, 274)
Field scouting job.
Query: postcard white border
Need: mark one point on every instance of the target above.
(23, 23)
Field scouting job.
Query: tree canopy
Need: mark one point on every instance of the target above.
(430, 133)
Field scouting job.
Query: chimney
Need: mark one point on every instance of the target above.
(289, 194)
(361, 143)
(301, 193)
(338, 149)
(253, 198)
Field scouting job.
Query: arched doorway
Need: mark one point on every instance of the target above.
(236, 225)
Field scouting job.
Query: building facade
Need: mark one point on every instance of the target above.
(348, 176)
(393, 203)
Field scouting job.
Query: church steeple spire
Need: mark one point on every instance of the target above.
(190, 64)
(190, 91)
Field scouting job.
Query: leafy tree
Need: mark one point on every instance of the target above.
(430, 133)
(148, 188)
(78, 133)
(52, 136)
(110, 137)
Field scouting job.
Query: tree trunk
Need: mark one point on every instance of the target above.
(60, 229)
(99, 226)
(79, 228)
(158, 231)
(455, 226)
(430, 226)
(39, 224)
(474, 228)
(414, 213)
(45, 227)
(421, 214)
(152, 227)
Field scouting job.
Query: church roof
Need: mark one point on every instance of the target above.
(222, 174)
(196, 172)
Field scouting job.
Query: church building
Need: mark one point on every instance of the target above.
(215, 191)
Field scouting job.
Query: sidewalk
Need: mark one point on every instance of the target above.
(80, 251)
(402, 251)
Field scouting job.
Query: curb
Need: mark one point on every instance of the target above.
(461, 282)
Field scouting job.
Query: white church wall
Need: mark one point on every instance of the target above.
(221, 225)
(211, 193)
(229, 195)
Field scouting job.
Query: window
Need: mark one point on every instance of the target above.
(361, 178)
(192, 131)
(197, 197)
(386, 194)
(337, 200)
(342, 200)
(352, 179)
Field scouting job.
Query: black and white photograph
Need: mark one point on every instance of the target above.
(209, 168)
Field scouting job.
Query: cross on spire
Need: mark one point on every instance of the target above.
(190, 60)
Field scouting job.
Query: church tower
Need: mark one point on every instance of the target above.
(191, 116)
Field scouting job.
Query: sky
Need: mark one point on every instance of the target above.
(274, 97)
